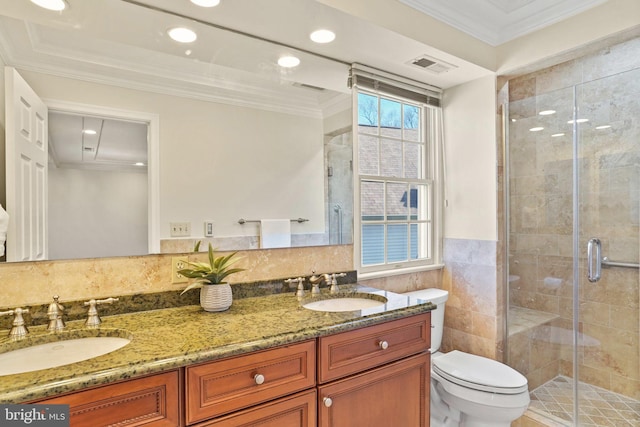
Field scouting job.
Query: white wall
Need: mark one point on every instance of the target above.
(219, 162)
(610, 18)
(3, 182)
(97, 213)
(470, 138)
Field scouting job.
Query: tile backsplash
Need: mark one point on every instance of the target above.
(28, 283)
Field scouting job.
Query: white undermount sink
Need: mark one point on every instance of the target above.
(347, 303)
(57, 353)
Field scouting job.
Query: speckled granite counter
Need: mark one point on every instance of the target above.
(175, 337)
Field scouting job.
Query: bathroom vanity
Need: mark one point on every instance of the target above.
(266, 361)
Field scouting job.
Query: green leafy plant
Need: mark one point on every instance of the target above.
(210, 273)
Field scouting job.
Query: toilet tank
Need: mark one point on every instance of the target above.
(437, 297)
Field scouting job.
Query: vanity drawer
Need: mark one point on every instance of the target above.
(220, 387)
(293, 411)
(149, 401)
(350, 352)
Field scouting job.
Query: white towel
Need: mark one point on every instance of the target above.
(275, 233)
(4, 226)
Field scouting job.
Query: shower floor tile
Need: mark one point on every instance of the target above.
(598, 407)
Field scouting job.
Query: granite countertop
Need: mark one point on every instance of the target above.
(174, 337)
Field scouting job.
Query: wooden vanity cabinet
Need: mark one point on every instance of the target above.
(376, 376)
(148, 401)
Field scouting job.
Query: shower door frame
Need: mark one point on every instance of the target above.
(578, 249)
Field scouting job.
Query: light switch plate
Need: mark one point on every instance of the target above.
(180, 229)
(208, 229)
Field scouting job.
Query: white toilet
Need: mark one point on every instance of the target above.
(469, 390)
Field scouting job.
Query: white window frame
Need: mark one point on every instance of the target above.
(431, 126)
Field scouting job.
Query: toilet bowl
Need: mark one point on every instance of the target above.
(469, 390)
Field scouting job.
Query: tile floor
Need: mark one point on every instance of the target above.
(598, 407)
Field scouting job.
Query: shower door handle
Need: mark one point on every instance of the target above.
(594, 259)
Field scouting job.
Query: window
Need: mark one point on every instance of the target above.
(397, 164)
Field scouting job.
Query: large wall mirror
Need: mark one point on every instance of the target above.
(208, 132)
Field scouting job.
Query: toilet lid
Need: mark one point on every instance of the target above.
(479, 373)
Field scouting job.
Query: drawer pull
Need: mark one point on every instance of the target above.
(258, 378)
(327, 402)
(383, 345)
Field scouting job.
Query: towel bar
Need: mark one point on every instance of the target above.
(242, 220)
(605, 261)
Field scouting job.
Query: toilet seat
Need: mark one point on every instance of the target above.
(479, 373)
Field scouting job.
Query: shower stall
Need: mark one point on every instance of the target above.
(572, 197)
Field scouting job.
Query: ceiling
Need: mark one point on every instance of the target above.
(498, 21)
(124, 43)
(116, 144)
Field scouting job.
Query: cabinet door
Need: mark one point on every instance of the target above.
(394, 395)
(149, 401)
(294, 411)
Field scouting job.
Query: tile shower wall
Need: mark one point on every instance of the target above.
(540, 262)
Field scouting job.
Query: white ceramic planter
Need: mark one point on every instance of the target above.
(216, 297)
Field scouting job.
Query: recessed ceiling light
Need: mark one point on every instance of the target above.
(603, 127)
(578, 121)
(89, 131)
(536, 129)
(56, 5)
(182, 35)
(547, 112)
(206, 3)
(322, 36)
(288, 61)
(138, 164)
(555, 135)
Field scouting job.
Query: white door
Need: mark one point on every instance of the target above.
(26, 152)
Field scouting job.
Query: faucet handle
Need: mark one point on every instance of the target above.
(334, 283)
(300, 282)
(93, 320)
(18, 330)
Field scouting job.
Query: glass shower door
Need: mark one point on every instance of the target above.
(606, 360)
(574, 178)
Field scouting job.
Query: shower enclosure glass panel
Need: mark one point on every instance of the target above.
(339, 185)
(574, 175)
(608, 148)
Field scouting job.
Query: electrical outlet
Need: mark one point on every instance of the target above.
(178, 263)
(180, 229)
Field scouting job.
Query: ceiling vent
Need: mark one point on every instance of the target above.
(306, 86)
(432, 64)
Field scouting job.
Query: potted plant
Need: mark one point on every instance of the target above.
(215, 293)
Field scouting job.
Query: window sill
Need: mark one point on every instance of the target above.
(398, 271)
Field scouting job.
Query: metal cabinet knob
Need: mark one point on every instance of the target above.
(327, 402)
(383, 345)
(258, 378)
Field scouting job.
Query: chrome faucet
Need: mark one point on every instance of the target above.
(329, 279)
(317, 280)
(93, 320)
(18, 330)
(55, 315)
